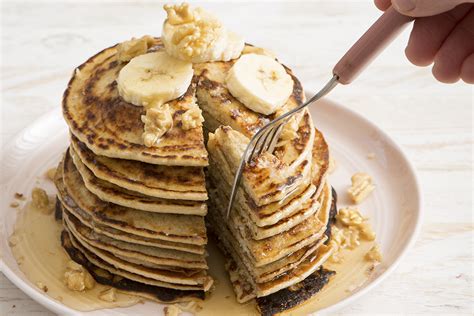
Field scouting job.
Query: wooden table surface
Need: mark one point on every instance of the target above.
(43, 41)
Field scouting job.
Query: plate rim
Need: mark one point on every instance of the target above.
(57, 307)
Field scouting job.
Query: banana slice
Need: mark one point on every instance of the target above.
(260, 83)
(153, 79)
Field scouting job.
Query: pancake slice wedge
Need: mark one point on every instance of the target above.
(157, 256)
(103, 276)
(95, 260)
(182, 183)
(187, 229)
(150, 273)
(110, 192)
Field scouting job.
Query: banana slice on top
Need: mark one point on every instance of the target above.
(260, 83)
(153, 79)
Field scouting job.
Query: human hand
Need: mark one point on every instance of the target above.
(443, 34)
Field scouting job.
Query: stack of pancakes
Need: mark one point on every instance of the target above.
(276, 235)
(132, 215)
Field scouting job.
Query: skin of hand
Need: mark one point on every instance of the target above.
(443, 34)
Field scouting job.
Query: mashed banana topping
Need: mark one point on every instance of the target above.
(134, 47)
(197, 36)
(157, 122)
(192, 118)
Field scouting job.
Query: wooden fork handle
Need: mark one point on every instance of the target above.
(374, 40)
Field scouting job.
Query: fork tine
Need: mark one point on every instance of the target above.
(266, 141)
(258, 144)
(275, 137)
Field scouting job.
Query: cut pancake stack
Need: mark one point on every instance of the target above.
(133, 215)
(276, 234)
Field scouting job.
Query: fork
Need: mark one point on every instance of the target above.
(374, 40)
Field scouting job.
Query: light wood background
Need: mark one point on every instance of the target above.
(43, 41)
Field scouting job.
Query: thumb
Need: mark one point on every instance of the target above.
(417, 8)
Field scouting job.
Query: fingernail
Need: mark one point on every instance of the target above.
(404, 5)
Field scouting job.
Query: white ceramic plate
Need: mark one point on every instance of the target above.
(394, 208)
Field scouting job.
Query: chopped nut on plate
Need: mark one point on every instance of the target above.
(361, 187)
(351, 228)
(191, 306)
(42, 287)
(19, 196)
(374, 254)
(14, 204)
(13, 240)
(172, 310)
(40, 201)
(108, 295)
(352, 218)
(77, 278)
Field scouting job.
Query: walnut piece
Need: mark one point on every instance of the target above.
(361, 187)
(343, 238)
(158, 121)
(179, 13)
(352, 228)
(353, 219)
(172, 310)
(109, 295)
(14, 204)
(133, 48)
(374, 254)
(42, 287)
(77, 278)
(192, 118)
(40, 201)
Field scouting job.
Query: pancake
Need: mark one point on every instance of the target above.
(185, 183)
(266, 179)
(109, 192)
(118, 235)
(263, 252)
(109, 126)
(303, 272)
(97, 261)
(102, 276)
(150, 273)
(157, 256)
(216, 101)
(188, 229)
(271, 214)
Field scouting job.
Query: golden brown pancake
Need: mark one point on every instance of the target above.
(111, 127)
(188, 229)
